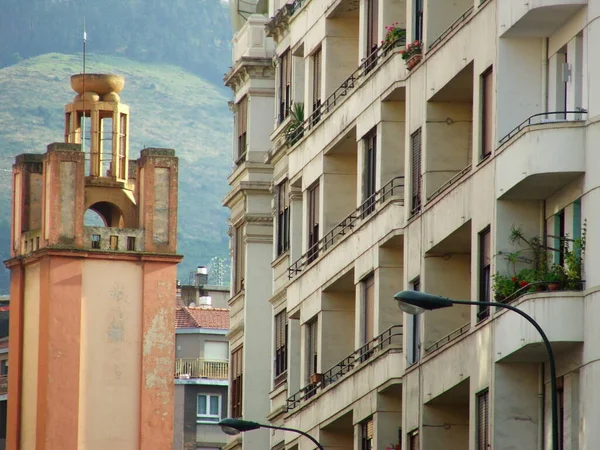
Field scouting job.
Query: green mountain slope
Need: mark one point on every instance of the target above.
(170, 107)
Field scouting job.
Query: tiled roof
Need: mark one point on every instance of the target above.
(202, 317)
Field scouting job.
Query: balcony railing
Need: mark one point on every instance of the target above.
(3, 384)
(448, 338)
(337, 97)
(186, 368)
(450, 182)
(394, 188)
(390, 337)
(546, 117)
(454, 25)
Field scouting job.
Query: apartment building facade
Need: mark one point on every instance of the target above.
(445, 147)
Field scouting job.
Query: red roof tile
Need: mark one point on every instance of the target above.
(202, 317)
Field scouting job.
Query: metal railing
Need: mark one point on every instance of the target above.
(543, 286)
(448, 338)
(368, 352)
(341, 92)
(187, 368)
(3, 384)
(546, 117)
(296, 5)
(450, 182)
(454, 25)
(394, 188)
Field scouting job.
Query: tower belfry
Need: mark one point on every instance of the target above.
(92, 320)
(106, 140)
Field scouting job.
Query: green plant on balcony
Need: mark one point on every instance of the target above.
(294, 130)
(412, 54)
(394, 35)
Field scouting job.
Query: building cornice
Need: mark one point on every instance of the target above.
(246, 188)
(278, 25)
(247, 68)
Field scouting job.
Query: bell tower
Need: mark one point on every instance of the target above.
(92, 324)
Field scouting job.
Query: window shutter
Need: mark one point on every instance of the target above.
(416, 171)
(242, 126)
(373, 25)
(487, 113)
(313, 222)
(236, 382)
(482, 420)
(414, 440)
(370, 169)
(313, 347)
(240, 263)
(369, 430)
(280, 343)
(317, 62)
(486, 248)
(369, 309)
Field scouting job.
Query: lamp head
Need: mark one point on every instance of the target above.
(414, 302)
(233, 427)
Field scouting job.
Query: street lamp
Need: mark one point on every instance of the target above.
(237, 426)
(414, 302)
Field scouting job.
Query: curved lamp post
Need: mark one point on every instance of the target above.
(237, 426)
(414, 302)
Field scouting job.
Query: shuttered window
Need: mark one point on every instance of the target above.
(242, 128)
(312, 342)
(283, 217)
(483, 413)
(285, 84)
(317, 84)
(413, 440)
(415, 336)
(372, 32)
(369, 308)
(487, 113)
(239, 260)
(236, 382)
(369, 174)
(416, 175)
(281, 341)
(366, 434)
(485, 261)
(313, 222)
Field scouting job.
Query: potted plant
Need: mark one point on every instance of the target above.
(295, 129)
(503, 286)
(413, 54)
(394, 36)
(555, 277)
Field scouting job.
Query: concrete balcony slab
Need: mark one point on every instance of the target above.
(559, 314)
(535, 18)
(540, 160)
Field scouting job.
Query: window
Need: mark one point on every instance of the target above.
(242, 128)
(485, 261)
(418, 20)
(366, 434)
(239, 260)
(114, 242)
(131, 243)
(313, 223)
(560, 233)
(237, 378)
(312, 342)
(281, 340)
(416, 176)
(283, 217)
(317, 69)
(369, 308)
(285, 85)
(208, 408)
(487, 113)
(4, 367)
(369, 173)
(413, 440)
(415, 322)
(95, 241)
(483, 431)
(372, 33)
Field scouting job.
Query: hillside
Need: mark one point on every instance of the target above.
(170, 107)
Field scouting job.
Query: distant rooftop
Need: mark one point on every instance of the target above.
(202, 317)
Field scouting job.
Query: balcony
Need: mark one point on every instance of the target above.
(370, 367)
(370, 207)
(535, 18)
(559, 314)
(250, 41)
(192, 368)
(541, 156)
(113, 239)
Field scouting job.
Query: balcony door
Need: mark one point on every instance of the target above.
(313, 222)
(369, 173)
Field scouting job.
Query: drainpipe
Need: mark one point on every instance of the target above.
(545, 74)
(541, 399)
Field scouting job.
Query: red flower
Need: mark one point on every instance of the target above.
(523, 283)
(402, 52)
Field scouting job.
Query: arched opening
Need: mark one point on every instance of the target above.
(110, 213)
(92, 219)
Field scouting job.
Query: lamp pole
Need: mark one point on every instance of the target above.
(236, 426)
(414, 302)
